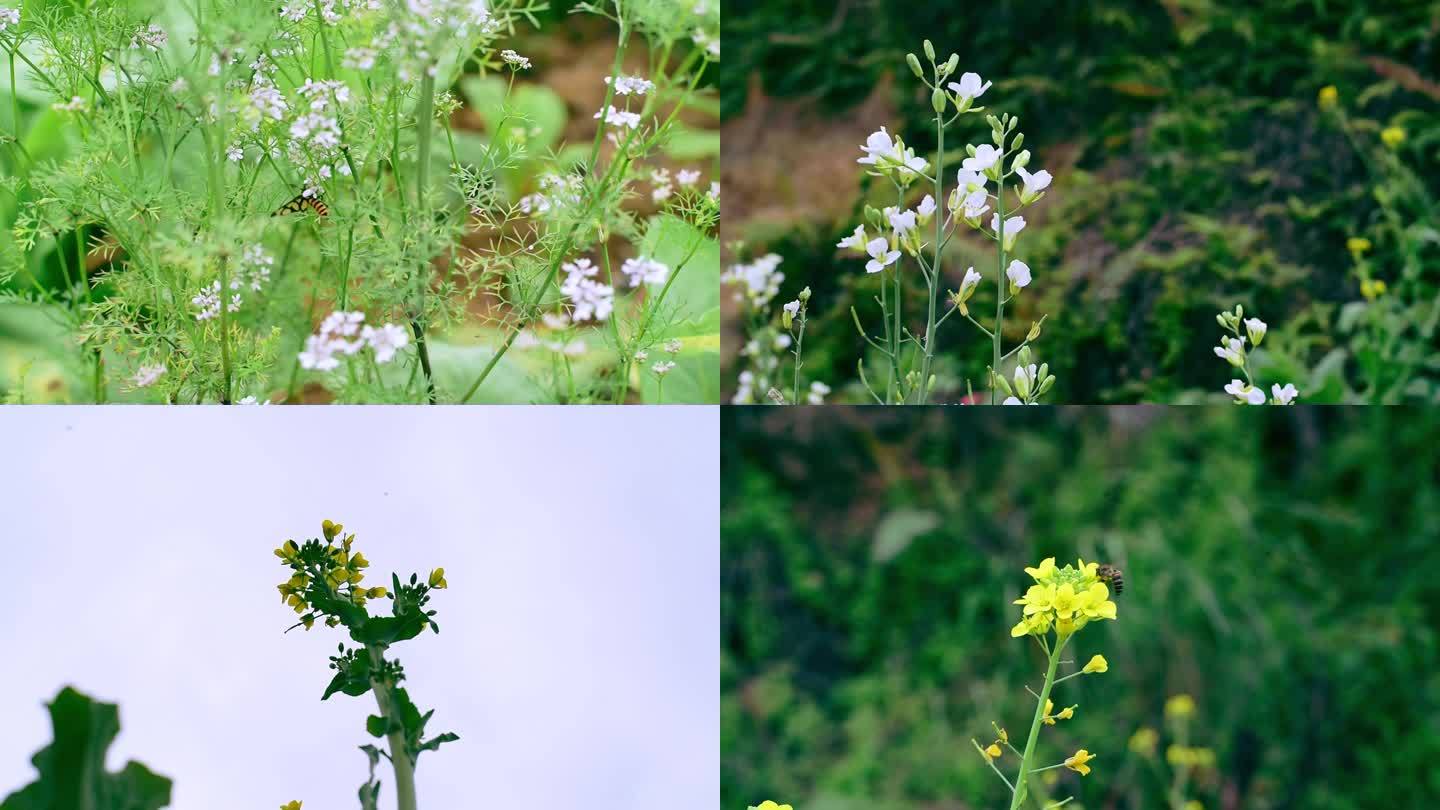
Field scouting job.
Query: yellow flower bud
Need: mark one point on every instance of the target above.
(1096, 664)
(291, 806)
(330, 529)
(1357, 245)
(437, 579)
(1143, 741)
(769, 805)
(1392, 136)
(378, 592)
(1329, 97)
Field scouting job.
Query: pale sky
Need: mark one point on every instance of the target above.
(579, 652)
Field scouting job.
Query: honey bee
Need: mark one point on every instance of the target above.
(1113, 577)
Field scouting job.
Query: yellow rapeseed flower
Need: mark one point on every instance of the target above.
(290, 806)
(1180, 706)
(1194, 805)
(1392, 136)
(359, 561)
(1143, 741)
(288, 551)
(331, 529)
(1357, 245)
(769, 805)
(1372, 288)
(1096, 663)
(377, 592)
(437, 580)
(1328, 97)
(1077, 762)
(993, 752)
(1045, 571)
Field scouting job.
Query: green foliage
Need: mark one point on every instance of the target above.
(1278, 565)
(1199, 173)
(72, 768)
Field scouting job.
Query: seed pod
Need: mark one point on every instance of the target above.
(1047, 384)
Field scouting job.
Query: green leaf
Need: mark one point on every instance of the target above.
(355, 681)
(692, 144)
(376, 725)
(534, 111)
(72, 768)
(670, 240)
(435, 742)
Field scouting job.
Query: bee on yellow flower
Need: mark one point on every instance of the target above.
(1077, 762)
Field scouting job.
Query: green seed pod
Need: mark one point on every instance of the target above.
(929, 51)
(1044, 371)
(914, 63)
(938, 100)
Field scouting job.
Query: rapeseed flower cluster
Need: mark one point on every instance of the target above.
(337, 565)
(1064, 599)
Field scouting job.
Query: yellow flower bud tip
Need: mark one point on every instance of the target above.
(377, 593)
(290, 806)
(359, 561)
(437, 579)
(1096, 664)
(993, 751)
(1066, 713)
(1392, 136)
(1077, 762)
(1328, 97)
(1357, 244)
(330, 529)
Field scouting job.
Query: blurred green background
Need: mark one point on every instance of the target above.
(1282, 568)
(1194, 171)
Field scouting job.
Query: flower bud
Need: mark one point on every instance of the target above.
(929, 51)
(1021, 160)
(999, 381)
(914, 64)
(938, 100)
(1023, 356)
(805, 295)
(1019, 139)
(1046, 385)
(952, 64)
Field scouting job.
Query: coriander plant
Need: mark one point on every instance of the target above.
(324, 585)
(1057, 607)
(262, 201)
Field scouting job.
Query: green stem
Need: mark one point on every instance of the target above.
(399, 756)
(799, 347)
(998, 337)
(933, 278)
(424, 112)
(1021, 778)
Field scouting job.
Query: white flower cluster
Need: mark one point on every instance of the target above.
(759, 281)
(620, 119)
(1232, 350)
(344, 333)
(642, 270)
(146, 376)
(9, 17)
(75, 104)
(889, 155)
(253, 269)
(663, 182)
(589, 298)
(555, 189)
(208, 302)
(515, 60)
(631, 85)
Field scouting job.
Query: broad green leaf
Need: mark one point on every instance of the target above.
(898, 529)
(72, 768)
